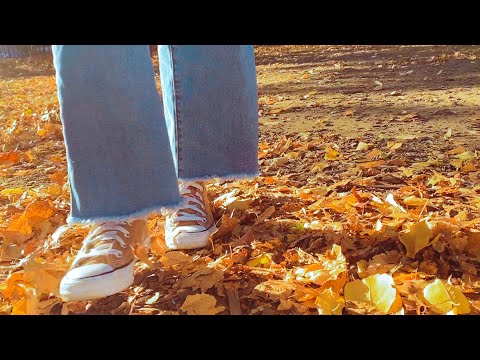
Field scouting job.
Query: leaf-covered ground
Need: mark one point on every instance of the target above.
(368, 200)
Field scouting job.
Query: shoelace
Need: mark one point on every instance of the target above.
(197, 206)
(106, 231)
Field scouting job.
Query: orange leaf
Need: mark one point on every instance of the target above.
(373, 153)
(12, 285)
(58, 177)
(19, 223)
(371, 164)
(43, 209)
(270, 180)
(468, 168)
(12, 157)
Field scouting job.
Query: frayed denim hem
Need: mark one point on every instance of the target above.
(221, 178)
(136, 215)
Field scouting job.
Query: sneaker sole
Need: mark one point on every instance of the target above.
(99, 286)
(192, 245)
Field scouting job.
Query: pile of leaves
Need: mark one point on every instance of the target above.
(334, 225)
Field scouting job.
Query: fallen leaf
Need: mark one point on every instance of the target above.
(363, 146)
(443, 297)
(457, 150)
(448, 134)
(371, 164)
(373, 153)
(329, 303)
(416, 237)
(468, 167)
(332, 154)
(275, 289)
(467, 155)
(203, 279)
(201, 304)
(376, 290)
(265, 215)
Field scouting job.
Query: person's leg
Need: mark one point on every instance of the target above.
(119, 162)
(210, 102)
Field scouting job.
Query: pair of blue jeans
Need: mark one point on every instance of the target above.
(126, 149)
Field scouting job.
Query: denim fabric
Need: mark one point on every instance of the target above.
(126, 150)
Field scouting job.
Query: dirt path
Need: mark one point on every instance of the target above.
(342, 128)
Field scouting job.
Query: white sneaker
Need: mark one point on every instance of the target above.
(105, 263)
(191, 226)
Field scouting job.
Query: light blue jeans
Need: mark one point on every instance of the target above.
(126, 150)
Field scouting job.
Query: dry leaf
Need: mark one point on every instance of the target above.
(265, 215)
(201, 304)
(371, 164)
(363, 146)
(416, 237)
(376, 290)
(332, 154)
(275, 289)
(443, 297)
(329, 303)
(203, 279)
(373, 153)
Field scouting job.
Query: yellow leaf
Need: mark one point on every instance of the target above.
(373, 153)
(436, 178)
(332, 154)
(448, 134)
(443, 297)
(376, 290)
(407, 172)
(416, 237)
(201, 304)
(458, 163)
(20, 307)
(362, 266)
(318, 167)
(329, 303)
(329, 272)
(263, 260)
(396, 146)
(12, 191)
(467, 155)
(363, 146)
(414, 201)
